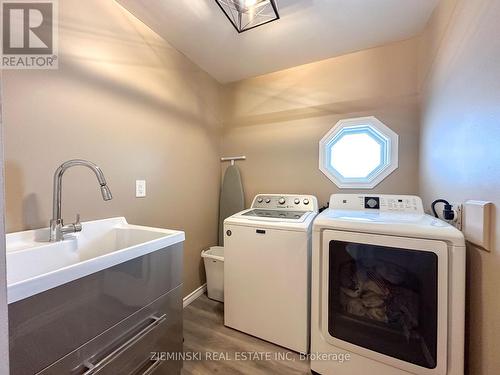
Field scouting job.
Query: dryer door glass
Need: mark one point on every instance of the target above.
(384, 299)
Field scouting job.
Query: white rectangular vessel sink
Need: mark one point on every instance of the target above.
(35, 265)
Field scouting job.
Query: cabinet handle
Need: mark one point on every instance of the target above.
(95, 368)
(153, 367)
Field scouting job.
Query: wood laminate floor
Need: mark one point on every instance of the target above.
(220, 350)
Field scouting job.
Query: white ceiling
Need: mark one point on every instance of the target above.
(309, 30)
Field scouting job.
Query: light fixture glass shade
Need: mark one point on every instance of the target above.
(247, 14)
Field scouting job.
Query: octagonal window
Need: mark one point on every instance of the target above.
(358, 153)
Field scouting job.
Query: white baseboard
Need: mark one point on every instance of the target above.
(191, 297)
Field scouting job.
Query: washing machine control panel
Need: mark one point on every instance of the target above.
(288, 202)
(374, 202)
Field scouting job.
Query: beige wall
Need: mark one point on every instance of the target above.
(277, 120)
(460, 154)
(4, 323)
(126, 100)
(432, 38)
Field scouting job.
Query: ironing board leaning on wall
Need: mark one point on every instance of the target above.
(232, 199)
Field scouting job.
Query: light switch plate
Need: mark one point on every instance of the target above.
(477, 223)
(140, 188)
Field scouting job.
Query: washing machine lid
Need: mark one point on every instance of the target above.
(293, 212)
(275, 214)
(260, 219)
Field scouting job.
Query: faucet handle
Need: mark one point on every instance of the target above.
(78, 224)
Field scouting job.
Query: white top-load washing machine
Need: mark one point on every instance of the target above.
(267, 252)
(388, 286)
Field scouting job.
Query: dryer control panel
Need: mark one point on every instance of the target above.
(289, 202)
(377, 202)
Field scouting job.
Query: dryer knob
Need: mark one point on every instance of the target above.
(260, 200)
(306, 201)
(296, 201)
(268, 200)
(282, 201)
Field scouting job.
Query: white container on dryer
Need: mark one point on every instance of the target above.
(388, 288)
(213, 259)
(267, 269)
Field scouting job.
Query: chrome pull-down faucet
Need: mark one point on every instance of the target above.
(57, 227)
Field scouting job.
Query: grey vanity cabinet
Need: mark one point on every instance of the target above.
(116, 321)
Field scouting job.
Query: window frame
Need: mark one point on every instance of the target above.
(376, 129)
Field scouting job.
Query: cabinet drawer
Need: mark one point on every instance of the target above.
(48, 326)
(127, 348)
(134, 356)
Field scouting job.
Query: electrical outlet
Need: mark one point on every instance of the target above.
(140, 188)
(459, 210)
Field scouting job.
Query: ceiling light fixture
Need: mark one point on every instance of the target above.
(247, 14)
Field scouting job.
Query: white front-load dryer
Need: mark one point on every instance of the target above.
(267, 251)
(388, 289)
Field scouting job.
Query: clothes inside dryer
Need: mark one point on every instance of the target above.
(384, 299)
